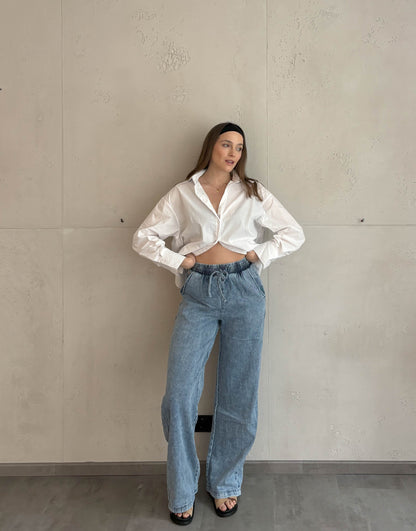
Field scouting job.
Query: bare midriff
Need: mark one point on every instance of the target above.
(219, 255)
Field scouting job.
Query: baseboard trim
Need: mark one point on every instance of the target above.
(149, 468)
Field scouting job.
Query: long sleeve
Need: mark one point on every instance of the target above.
(288, 235)
(148, 240)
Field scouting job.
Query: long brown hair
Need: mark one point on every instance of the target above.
(249, 184)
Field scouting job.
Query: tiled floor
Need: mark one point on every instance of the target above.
(280, 502)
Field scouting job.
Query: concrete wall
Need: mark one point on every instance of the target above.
(104, 105)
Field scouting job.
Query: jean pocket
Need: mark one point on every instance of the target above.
(189, 275)
(256, 280)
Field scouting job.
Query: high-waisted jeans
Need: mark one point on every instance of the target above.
(229, 297)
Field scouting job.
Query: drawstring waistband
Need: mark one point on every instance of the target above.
(221, 278)
(232, 267)
(221, 272)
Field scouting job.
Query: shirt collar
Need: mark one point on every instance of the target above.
(195, 177)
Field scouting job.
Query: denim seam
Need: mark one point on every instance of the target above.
(212, 438)
(186, 282)
(255, 283)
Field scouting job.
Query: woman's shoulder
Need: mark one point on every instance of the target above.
(261, 189)
(181, 185)
(177, 190)
(260, 185)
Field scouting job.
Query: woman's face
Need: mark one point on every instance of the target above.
(227, 151)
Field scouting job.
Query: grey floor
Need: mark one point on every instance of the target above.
(283, 502)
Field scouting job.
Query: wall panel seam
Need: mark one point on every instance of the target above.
(62, 244)
(269, 419)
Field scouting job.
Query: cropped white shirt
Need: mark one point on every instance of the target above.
(186, 214)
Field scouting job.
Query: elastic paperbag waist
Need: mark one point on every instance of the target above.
(233, 267)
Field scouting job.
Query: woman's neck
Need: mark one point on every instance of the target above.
(216, 178)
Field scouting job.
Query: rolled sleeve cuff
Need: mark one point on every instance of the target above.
(171, 260)
(262, 252)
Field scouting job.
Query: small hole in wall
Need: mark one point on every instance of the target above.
(122, 220)
(204, 423)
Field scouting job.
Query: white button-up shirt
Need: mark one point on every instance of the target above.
(187, 214)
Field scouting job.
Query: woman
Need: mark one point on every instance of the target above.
(217, 219)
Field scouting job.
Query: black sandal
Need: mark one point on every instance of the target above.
(180, 520)
(227, 512)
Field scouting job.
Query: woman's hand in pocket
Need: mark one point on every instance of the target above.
(189, 261)
(252, 256)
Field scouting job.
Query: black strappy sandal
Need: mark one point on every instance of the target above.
(180, 520)
(227, 512)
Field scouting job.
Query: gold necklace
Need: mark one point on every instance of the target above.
(214, 186)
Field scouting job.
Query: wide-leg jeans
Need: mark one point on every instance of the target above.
(229, 298)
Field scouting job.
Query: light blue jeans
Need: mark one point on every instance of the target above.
(231, 298)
